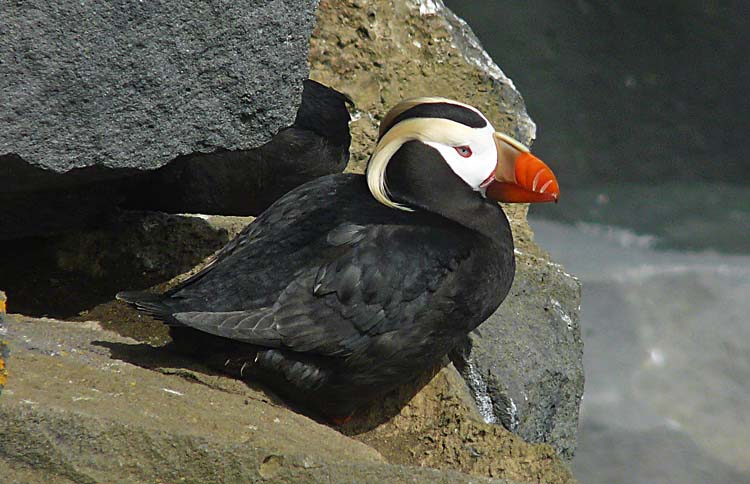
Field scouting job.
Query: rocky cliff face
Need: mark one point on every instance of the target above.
(111, 408)
(136, 85)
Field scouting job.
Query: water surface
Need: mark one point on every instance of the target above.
(666, 299)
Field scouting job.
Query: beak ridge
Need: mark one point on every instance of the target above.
(521, 177)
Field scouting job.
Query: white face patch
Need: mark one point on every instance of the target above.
(470, 152)
(476, 168)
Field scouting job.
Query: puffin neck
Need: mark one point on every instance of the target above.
(419, 177)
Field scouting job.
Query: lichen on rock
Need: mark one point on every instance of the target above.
(4, 349)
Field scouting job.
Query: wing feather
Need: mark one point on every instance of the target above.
(365, 288)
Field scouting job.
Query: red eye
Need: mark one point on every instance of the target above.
(464, 151)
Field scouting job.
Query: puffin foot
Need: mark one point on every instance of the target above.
(341, 420)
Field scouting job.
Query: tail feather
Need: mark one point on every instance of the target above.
(149, 303)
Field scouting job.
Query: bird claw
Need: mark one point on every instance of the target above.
(341, 420)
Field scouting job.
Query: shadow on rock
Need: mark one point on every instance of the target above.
(384, 410)
(62, 276)
(165, 360)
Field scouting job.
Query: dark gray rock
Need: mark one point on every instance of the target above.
(92, 93)
(135, 84)
(242, 182)
(317, 144)
(525, 363)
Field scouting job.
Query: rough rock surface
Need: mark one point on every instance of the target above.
(92, 92)
(73, 272)
(317, 144)
(133, 85)
(378, 61)
(440, 426)
(524, 364)
(77, 409)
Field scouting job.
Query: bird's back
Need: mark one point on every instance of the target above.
(328, 273)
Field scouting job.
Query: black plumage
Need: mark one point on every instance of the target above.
(341, 296)
(333, 298)
(443, 110)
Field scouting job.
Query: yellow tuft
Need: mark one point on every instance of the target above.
(3, 370)
(414, 129)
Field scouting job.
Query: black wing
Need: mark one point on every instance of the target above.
(255, 266)
(377, 279)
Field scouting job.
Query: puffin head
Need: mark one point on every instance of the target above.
(462, 140)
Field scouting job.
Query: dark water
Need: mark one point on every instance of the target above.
(667, 344)
(687, 216)
(627, 90)
(666, 327)
(640, 108)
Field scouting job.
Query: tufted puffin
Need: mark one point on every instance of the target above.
(351, 285)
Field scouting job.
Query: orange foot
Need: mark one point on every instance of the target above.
(341, 420)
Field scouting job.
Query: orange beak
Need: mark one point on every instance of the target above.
(521, 177)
